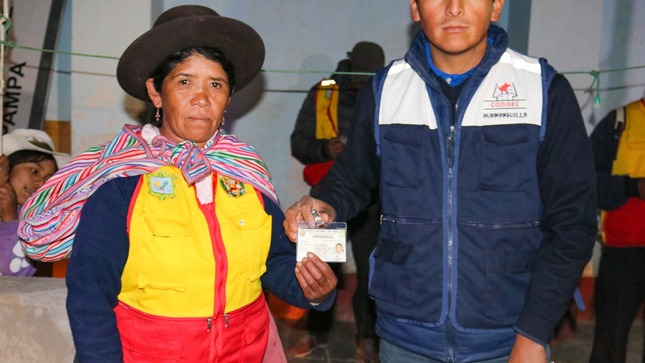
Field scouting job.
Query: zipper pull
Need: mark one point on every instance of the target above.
(450, 148)
(208, 325)
(226, 320)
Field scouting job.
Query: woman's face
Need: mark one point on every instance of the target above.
(194, 96)
(26, 178)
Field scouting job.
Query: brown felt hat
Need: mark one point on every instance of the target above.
(184, 27)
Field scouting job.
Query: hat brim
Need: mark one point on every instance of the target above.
(61, 159)
(12, 143)
(238, 41)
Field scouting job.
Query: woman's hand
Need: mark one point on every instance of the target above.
(316, 278)
(8, 203)
(301, 211)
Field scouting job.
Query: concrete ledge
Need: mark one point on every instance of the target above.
(34, 325)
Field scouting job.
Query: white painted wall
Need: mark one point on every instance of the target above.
(584, 35)
(99, 106)
(306, 35)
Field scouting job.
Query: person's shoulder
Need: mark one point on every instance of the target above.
(270, 206)
(327, 82)
(118, 186)
(559, 85)
(561, 79)
(123, 181)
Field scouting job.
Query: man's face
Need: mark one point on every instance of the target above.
(456, 27)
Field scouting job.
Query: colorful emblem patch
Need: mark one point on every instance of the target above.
(234, 188)
(162, 185)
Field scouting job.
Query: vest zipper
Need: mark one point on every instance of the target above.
(450, 148)
(208, 325)
(502, 226)
(450, 336)
(450, 156)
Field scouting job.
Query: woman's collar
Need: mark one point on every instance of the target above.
(149, 132)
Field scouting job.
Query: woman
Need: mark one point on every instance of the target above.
(183, 233)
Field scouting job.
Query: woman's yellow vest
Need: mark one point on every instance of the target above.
(188, 259)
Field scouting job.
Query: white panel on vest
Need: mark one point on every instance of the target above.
(521, 62)
(510, 94)
(405, 99)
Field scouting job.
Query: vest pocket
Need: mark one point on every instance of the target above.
(165, 254)
(145, 346)
(390, 258)
(507, 277)
(415, 264)
(255, 326)
(506, 164)
(401, 155)
(251, 229)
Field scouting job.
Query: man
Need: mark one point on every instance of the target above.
(620, 284)
(487, 192)
(318, 137)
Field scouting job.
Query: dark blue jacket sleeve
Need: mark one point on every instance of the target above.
(568, 191)
(280, 277)
(613, 190)
(94, 273)
(348, 184)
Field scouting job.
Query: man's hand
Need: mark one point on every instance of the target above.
(316, 278)
(527, 351)
(301, 211)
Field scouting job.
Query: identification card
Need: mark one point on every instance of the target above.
(328, 241)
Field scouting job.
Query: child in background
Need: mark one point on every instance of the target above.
(30, 161)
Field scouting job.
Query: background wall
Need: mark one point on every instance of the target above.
(578, 36)
(305, 40)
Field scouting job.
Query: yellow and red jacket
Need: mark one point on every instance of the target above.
(187, 259)
(327, 95)
(164, 270)
(623, 226)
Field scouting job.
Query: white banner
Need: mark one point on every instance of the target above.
(27, 69)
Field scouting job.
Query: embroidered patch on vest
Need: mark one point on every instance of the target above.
(162, 185)
(234, 188)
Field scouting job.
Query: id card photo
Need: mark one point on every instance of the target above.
(327, 242)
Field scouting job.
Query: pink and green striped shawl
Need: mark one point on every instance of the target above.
(50, 216)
